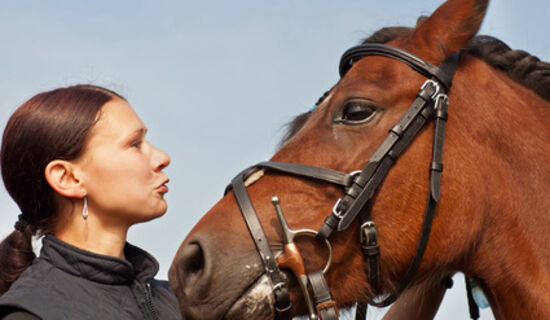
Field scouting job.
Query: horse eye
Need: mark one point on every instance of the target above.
(357, 112)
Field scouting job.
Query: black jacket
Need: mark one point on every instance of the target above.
(66, 282)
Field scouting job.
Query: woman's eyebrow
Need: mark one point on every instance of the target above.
(141, 131)
(137, 133)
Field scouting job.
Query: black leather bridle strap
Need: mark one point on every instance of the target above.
(472, 305)
(379, 163)
(361, 310)
(377, 49)
(323, 174)
(368, 239)
(280, 290)
(370, 247)
(326, 307)
(436, 167)
(399, 137)
(397, 140)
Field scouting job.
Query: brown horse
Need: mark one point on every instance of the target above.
(491, 221)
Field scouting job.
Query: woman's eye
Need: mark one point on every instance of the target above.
(136, 144)
(357, 112)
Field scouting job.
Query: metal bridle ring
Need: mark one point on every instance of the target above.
(313, 234)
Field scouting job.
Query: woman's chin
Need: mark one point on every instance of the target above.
(150, 216)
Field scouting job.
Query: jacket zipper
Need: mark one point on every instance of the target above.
(149, 301)
(150, 311)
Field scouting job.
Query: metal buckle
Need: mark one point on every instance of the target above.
(283, 310)
(367, 225)
(337, 213)
(327, 305)
(440, 98)
(353, 176)
(355, 173)
(433, 83)
(279, 286)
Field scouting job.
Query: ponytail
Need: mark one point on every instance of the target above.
(16, 254)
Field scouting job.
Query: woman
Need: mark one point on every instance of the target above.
(77, 163)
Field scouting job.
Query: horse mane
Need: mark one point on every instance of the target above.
(519, 65)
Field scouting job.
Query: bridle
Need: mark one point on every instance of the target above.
(431, 102)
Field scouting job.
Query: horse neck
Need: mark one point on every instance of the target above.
(511, 182)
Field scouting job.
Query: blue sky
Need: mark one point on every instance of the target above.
(213, 80)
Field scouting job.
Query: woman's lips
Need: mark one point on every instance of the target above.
(163, 188)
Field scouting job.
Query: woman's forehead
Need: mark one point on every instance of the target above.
(117, 122)
(117, 115)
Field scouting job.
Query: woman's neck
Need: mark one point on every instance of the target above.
(92, 235)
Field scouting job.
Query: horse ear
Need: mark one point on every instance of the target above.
(450, 27)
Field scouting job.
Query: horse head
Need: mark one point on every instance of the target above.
(495, 131)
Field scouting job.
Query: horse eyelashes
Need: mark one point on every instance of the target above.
(357, 113)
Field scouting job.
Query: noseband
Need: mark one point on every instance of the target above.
(431, 102)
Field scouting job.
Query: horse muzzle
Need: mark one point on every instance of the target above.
(211, 284)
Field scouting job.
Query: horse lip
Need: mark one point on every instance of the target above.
(256, 303)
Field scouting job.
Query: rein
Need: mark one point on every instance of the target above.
(430, 102)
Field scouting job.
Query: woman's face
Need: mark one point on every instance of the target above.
(121, 171)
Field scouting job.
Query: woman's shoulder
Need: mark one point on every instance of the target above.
(34, 290)
(35, 278)
(32, 278)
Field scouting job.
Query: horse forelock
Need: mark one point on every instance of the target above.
(519, 65)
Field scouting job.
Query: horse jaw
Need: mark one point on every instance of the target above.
(256, 303)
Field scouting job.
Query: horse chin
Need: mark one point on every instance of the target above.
(256, 303)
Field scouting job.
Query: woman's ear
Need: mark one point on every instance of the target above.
(62, 177)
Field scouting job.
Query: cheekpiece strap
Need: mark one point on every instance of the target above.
(280, 290)
(325, 305)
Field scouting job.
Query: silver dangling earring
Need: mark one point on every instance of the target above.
(85, 209)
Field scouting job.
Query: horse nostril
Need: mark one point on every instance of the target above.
(192, 264)
(195, 259)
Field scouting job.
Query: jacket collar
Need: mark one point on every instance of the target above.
(139, 265)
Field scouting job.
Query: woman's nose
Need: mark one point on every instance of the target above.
(160, 159)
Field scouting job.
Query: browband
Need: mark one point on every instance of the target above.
(425, 68)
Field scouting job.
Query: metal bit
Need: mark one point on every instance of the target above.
(292, 259)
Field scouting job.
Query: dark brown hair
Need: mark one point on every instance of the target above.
(51, 125)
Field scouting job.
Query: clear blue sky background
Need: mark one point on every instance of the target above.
(213, 80)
